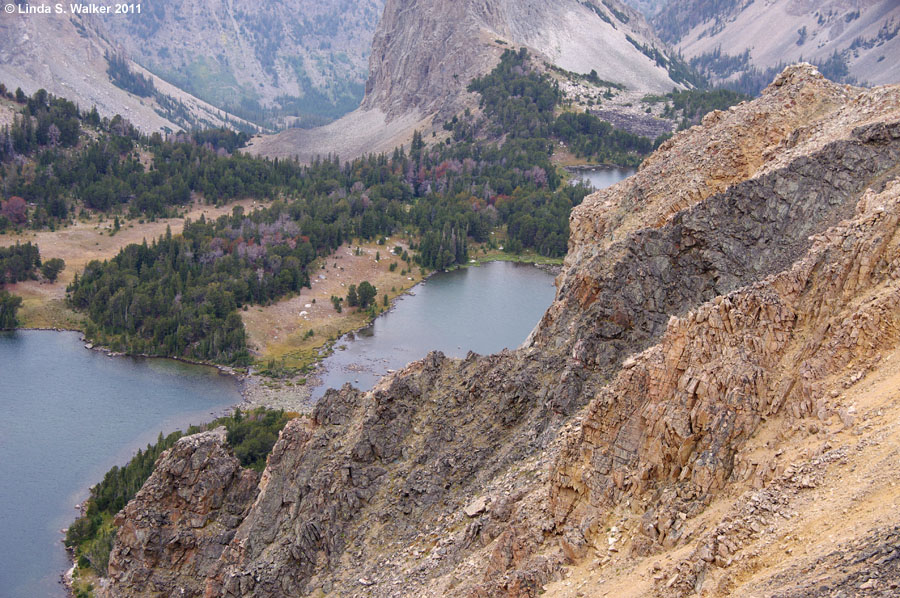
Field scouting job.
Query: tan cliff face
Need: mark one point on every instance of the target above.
(425, 54)
(677, 425)
(715, 381)
(684, 407)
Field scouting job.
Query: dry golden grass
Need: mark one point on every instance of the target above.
(84, 241)
(279, 331)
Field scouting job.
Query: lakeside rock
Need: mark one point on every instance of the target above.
(671, 426)
(172, 533)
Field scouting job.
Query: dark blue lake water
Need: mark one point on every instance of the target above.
(68, 415)
(483, 309)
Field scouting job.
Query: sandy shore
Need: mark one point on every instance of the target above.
(291, 394)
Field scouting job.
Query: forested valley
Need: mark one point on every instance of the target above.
(180, 295)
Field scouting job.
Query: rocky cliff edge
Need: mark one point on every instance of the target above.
(709, 406)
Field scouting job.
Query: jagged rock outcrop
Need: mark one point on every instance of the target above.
(710, 308)
(370, 471)
(171, 535)
(729, 148)
(425, 53)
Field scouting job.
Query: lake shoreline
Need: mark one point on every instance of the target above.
(290, 394)
(71, 416)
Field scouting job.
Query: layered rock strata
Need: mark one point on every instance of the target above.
(171, 535)
(706, 311)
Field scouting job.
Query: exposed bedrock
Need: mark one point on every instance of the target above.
(712, 292)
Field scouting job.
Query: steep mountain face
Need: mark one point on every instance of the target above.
(65, 54)
(284, 56)
(862, 33)
(273, 63)
(425, 54)
(723, 319)
(429, 52)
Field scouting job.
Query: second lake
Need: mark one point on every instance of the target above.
(484, 309)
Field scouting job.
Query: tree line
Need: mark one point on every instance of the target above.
(693, 104)
(21, 262)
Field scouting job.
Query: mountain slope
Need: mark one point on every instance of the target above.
(67, 56)
(689, 394)
(425, 54)
(863, 34)
(648, 7)
(282, 57)
(274, 63)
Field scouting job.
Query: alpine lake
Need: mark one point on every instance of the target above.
(70, 414)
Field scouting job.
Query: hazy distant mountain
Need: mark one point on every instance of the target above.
(266, 62)
(260, 60)
(67, 55)
(730, 38)
(425, 53)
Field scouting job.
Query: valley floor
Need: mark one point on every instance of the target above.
(277, 332)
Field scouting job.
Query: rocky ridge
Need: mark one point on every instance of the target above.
(862, 33)
(635, 438)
